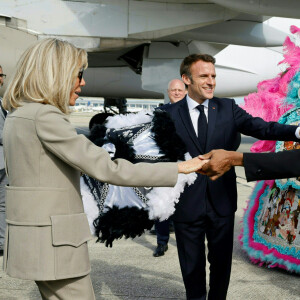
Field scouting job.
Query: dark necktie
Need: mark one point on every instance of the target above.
(202, 127)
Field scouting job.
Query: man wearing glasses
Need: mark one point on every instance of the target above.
(2, 77)
(3, 178)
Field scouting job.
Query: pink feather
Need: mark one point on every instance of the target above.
(268, 102)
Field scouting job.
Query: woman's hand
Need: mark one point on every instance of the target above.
(193, 165)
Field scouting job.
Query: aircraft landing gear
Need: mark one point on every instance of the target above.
(119, 103)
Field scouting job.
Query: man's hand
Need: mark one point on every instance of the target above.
(220, 161)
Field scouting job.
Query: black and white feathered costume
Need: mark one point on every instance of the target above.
(115, 211)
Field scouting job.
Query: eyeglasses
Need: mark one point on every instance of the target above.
(3, 75)
(80, 74)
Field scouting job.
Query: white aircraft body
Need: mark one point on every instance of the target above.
(136, 47)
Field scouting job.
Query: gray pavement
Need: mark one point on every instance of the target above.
(128, 271)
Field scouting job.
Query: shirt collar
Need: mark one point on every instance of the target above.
(193, 104)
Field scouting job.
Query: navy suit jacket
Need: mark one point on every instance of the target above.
(226, 121)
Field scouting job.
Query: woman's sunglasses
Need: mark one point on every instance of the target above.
(3, 75)
(80, 74)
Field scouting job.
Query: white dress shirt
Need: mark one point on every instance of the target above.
(194, 112)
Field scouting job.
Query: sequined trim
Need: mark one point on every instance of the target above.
(140, 195)
(144, 128)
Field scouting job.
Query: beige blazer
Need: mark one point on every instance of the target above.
(47, 232)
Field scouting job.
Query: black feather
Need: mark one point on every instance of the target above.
(166, 138)
(97, 135)
(115, 223)
(124, 149)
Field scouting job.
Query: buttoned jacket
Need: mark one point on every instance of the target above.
(47, 232)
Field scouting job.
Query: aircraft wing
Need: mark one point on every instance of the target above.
(136, 47)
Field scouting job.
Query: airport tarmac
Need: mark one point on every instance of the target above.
(128, 271)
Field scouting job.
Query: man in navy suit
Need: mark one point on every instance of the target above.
(206, 208)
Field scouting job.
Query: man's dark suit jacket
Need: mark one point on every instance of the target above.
(226, 121)
(259, 166)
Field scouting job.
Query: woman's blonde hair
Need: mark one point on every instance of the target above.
(46, 73)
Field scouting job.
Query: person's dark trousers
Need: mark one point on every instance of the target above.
(162, 232)
(190, 239)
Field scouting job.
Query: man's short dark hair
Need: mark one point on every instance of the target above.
(185, 67)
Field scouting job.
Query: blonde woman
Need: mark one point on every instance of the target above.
(47, 232)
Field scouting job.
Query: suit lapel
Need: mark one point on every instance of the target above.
(187, 122)
(212, 117)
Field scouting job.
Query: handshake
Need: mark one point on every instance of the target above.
(213, 164)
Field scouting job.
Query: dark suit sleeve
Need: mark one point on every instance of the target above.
(165, 107)
(259, 166)
(258, 128)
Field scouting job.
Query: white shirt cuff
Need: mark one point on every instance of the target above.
(297, 133)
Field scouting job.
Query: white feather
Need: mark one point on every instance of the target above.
(162, 200)
(120, 121)
(90, 206)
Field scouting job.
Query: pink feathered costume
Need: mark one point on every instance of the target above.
(271, 224)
